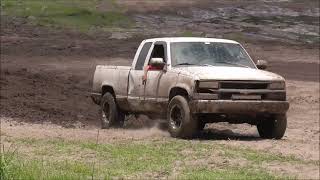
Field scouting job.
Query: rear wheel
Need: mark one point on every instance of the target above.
(181, 122)
(273, 128)
(111, 116)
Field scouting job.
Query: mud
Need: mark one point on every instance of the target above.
(40, 82)
(289, 22)
(21, 38)
(46, 73)
(296, 70)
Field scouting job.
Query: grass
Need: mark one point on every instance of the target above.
(6, 159)
(25, 168)
(230, 173)
(259, 157)
(76, 14)
(188, 34)
(62, 159)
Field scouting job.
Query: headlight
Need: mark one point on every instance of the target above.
(208, 85)
(277, 85)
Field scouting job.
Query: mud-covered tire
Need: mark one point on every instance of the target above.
(181, 123)
(273, 128)
(110, 114)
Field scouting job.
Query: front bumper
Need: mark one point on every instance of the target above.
(238, 106)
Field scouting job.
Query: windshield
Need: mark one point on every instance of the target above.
(209, 54)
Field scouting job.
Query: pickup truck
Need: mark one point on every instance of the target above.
(191, 82)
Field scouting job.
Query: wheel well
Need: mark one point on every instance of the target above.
(107, 89)
(178, 91)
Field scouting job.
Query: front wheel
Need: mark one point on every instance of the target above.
(273, 128)
(111, 116)
(181, 122)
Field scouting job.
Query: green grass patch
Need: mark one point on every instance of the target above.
(228, 173)
(76, 14)
(188, 34)
(171, 147)
(116, 159)
(131, 158)
(21, 167)
(63, 159)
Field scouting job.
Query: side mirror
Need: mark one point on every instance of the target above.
(157, 62)
(262, 64)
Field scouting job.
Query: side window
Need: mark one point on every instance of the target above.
(158, 52)
(142, 56)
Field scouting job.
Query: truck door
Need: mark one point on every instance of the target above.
(135, 82)
(154, 102)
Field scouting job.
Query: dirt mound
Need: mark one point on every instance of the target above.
(55, 90)
(39, 96)
(19, 37)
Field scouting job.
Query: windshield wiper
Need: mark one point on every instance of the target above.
(194, 64)
(241, 65)
(181, 64)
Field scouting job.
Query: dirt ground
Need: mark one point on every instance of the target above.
(46, 79)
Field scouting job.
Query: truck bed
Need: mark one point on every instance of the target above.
(113, 76)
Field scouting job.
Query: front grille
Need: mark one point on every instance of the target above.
(248, 90)
(243, 85)
(237, 86)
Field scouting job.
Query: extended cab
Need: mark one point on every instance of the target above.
(191, 82)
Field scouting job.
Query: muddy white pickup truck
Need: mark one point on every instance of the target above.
(191, 82)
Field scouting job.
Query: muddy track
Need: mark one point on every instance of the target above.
(302, 71)
(46, 74)
(20, 38)
(46, 78)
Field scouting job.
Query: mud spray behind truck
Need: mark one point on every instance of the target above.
(191, 82)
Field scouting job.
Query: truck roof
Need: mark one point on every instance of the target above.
(190, 39)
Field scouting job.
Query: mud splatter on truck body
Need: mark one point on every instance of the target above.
(161, 75)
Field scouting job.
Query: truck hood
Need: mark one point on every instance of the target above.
(228, 73)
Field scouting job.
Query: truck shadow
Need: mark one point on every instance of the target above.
(209, 133)
(216, 134)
